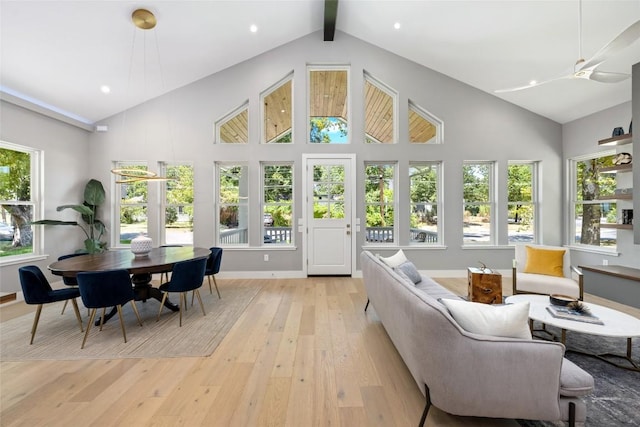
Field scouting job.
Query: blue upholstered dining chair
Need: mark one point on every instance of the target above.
(164, 275)
(102, 289)
(186, 276)
(37, 290)
(213, 267)
(69, 281)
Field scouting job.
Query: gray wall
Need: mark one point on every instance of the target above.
(580, 137)
(66, 170)
(477, 126)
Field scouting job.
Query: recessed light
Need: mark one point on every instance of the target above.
(105, 89)
(532, 82)
(396, 25)
(253, 28)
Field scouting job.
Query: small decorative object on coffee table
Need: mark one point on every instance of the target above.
(485, 285)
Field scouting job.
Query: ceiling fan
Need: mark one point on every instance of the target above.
(588, 69)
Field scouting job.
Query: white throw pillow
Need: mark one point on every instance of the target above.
(394, 260)
(511, 320)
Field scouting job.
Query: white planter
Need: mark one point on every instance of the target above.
(141, 245)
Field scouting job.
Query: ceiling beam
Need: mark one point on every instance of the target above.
(330, 16)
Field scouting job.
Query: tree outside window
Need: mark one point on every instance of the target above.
(379, 202)
(132, 205)
(521, 202)
(424, 198)
(277, 206)
(477, 202)
(594, 202)
(17, 200)
(233, 202)
(178, 209)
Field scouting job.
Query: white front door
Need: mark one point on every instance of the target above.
(328, 214)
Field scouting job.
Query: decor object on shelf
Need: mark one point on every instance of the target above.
(588, 69)
(623, 159)
(627, 216)
(617, 131)
(631, 126)
(94, 196)
(141, 245)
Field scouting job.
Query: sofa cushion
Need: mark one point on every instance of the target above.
(574, 381)
(544, 261)
(511, 320)
(410, 270)
(395, 259)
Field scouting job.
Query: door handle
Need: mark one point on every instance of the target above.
(348, 232)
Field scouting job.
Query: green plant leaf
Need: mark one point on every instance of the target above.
(94, 246)
(82, 209)
(94, 193)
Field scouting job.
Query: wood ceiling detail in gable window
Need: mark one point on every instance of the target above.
(328, 93)
(277, 111)
(378, 114)
(236, 129)
(421, 131)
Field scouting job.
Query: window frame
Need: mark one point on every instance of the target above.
(218, 203)
(573, 201)
(393, 204)
(163, 166)
(426, 115)
(491, 203)
(368, 78)
(438, 164)
(263, 204)
(535, 198)
(117, 205)
(337, 67)
(36, 196)
(226, 118)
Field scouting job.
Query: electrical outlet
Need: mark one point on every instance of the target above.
(266, 257)
(605, 262)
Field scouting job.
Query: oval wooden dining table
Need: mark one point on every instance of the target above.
(141, 268)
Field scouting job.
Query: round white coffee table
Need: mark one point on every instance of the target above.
(615, 324)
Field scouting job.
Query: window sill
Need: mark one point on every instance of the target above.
(594, 250)
(392, 246)
(481, 247)
(22, 259)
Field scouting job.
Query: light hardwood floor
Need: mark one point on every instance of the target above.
(302, 354)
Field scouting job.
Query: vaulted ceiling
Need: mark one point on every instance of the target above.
(59, 53)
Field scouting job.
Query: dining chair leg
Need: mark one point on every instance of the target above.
(104, 313)
(197, 292)
(210, 288)
(164, 298)
(75, 308)
(124, 334)
(215, 282)
(135, 310)
(86, 334)
(183, 298)
(64, 306)
(35, 323)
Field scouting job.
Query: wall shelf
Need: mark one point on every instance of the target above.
(617, 140)
(626, 196)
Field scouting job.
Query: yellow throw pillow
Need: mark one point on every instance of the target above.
(544, 261)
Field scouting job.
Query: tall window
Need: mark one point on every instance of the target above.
(132, 205)
(379, 112)
(277, 203)
(478, 200)
(522, 201)
(424, 193)
(178, 204)
(233, 204)
(19, 199)
(379, 198)
(594, 201)
(328, 112)
(424, 128)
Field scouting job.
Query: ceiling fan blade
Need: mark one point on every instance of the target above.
(608, 77)
(529, 86)
(624, 39)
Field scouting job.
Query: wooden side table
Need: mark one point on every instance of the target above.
(485, 286)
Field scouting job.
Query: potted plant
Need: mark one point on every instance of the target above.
(94, 196)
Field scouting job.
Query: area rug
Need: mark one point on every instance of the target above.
(59, 338)
(616, 399)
